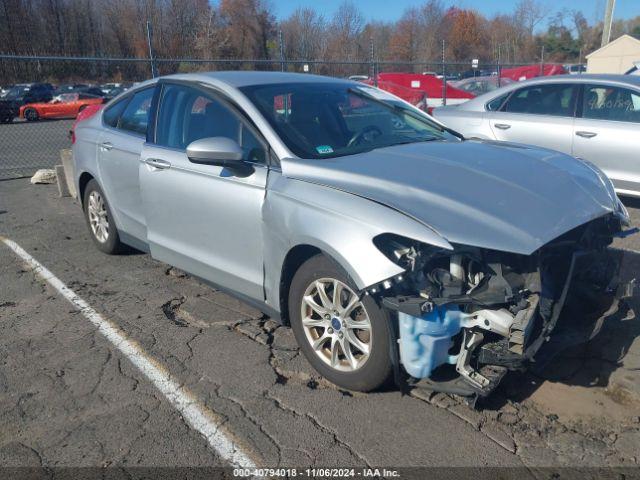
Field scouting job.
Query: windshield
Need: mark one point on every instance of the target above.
(324, 120)
(65, 98)
(16, 92)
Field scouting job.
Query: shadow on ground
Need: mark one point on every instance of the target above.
(609, 362)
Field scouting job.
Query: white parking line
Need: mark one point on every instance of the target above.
(197, 415)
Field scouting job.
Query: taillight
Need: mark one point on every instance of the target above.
(83, 114)
(430, 110)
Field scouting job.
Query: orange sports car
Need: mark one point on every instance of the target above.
(65, 105)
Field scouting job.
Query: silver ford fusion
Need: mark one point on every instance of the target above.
(393, 248)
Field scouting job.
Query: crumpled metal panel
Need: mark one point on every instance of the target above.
(501, 196)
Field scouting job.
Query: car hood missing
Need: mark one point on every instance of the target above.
(500, 196)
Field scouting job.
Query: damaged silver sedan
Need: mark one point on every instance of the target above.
(393, 247)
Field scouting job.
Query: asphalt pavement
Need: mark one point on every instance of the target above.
(71, 397)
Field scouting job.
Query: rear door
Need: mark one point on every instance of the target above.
(540, 115)
(606, 133)
(204, 219)
(119, 150)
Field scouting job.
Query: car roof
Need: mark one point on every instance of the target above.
(587, 77)
(248, 78)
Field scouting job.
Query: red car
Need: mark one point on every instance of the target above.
(66, 105)
(529, 71)
(428, 84)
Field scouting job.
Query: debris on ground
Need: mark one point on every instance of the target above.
(44, 176)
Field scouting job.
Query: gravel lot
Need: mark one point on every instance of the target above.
(68, 398)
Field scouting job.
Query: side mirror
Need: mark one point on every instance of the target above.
(219, 151)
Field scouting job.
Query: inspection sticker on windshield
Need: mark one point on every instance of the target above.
(324, 149)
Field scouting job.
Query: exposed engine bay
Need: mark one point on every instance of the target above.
(465, 318)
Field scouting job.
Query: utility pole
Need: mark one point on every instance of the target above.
(608, 19)
(154, 73)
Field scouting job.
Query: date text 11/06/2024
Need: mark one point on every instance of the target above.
(317, 472)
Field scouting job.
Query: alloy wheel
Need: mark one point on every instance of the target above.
(336, 324)
(98, 217)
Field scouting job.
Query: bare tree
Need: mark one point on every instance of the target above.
(529, 14)
(304, 34)
(344, 32)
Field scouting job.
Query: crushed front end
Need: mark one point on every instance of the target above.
(466, 317)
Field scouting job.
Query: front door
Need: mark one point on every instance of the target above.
(204, 219)
(540, 115)
(607, 131)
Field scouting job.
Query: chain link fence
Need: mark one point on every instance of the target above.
(26, 146)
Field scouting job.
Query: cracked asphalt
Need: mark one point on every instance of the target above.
(68, 398)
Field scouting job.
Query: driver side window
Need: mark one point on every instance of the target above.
(187, 114)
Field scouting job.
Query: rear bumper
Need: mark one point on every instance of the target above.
(8, 111)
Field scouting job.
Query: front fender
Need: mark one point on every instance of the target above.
(338, 223)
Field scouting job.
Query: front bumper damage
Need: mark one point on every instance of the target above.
(466, 318)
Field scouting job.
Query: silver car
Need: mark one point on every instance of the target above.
(392, 247)
(592, 117)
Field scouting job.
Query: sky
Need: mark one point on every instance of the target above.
(386, 10)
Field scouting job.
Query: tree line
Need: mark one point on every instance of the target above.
(249, 29)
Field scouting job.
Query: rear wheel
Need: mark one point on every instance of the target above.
(344, 336)
(31, 114)
(100, 221)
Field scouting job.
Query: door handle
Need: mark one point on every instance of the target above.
(106, 146)
(157, 163)
(586, 134)
(502, 126)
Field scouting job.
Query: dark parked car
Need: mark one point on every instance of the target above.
(91, 90)
(80, 88)
(22, 94)
(69, 87)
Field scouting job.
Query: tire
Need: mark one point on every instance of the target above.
(98, 216)
(361, 370)
(31, 115)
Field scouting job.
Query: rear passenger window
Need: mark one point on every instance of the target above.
(135, 117)
(112, 114)
(549, 99)
(602, 102)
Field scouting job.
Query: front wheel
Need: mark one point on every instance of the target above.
(343, 335)
(100, 221)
